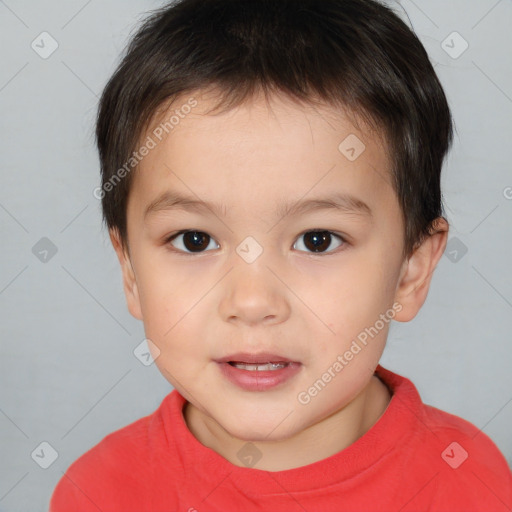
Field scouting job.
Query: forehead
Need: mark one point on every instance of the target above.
(260, 154)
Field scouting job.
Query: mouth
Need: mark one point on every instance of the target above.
(259, 367)
(260, 358)
(258, 372)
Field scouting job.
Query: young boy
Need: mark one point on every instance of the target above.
(271, 185)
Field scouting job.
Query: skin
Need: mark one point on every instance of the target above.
(307, 306)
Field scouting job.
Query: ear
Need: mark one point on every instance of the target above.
(416, 273)
(129, 282)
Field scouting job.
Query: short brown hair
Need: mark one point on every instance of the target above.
(353, 53)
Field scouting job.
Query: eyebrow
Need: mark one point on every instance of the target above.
(345, 203)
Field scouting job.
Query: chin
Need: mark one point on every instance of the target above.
(257, 429)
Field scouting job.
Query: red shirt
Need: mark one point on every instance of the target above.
(415, 458)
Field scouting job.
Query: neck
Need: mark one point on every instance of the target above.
(317, 442)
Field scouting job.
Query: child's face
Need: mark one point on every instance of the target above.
(305, 306)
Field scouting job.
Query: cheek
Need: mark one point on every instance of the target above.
(158, 301)
(351, 301)
(173, 324)
(175, 311)
(165, 306)
(164, 289)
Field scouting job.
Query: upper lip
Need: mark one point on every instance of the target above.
(261, 357)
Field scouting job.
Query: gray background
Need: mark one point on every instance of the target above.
(68, 374)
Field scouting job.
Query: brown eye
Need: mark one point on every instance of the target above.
(319, 241)
(193, 241)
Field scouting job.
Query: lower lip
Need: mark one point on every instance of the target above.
(254, 380)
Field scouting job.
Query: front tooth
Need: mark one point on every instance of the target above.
(259, 367)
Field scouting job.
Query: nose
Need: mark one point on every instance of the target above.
(253, 295)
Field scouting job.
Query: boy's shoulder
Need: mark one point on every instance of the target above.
(472, 465)
(437, 425)
(412, 447)
(446, 427)
(460, 458)
(119, 468)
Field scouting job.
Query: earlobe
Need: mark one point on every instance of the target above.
(416, 273)
(129, 281)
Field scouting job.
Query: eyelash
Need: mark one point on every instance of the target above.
(343, 245)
